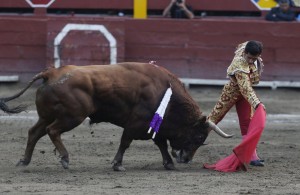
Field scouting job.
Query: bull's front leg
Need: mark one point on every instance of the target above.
(124, 144)
(167, 160)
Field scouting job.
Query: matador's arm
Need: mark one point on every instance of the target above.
(246, 88)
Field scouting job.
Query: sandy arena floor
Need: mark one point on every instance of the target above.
(92, 150)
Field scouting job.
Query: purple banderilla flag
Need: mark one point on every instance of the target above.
(156, 122)
(160, 112)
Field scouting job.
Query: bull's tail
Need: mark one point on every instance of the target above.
(14, 110)
(19, 108)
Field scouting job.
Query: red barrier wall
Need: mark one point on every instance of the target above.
(200, 48)
(22, 45)
(204, 48)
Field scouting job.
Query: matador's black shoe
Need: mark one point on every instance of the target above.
(257, 163)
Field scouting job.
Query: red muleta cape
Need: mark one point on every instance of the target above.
(243, 152)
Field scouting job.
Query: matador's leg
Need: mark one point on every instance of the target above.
(243, 109)
(230, 95)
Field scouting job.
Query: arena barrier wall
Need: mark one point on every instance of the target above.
(196, 50)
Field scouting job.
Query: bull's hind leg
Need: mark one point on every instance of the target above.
(34, 134)
(167, 160)
(124, 144)
(55, 130)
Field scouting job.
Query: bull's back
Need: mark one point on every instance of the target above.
(131, 75)
(130, 72)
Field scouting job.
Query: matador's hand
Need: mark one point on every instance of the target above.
(261, 105)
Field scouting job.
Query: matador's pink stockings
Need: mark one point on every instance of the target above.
(243, 110)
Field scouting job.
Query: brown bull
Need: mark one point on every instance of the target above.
(126, 95)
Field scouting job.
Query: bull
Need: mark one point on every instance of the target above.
(124, 94)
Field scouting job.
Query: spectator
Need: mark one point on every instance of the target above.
(291, 2)
(281, 13)
(178, 9)
(244, 72)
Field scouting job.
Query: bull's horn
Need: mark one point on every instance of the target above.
(214, 127)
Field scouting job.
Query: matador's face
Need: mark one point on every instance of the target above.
(250, 59)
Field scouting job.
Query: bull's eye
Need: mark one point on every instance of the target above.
(200, 140)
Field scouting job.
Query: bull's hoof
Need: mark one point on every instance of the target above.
(64, 163)
(118, 167)
(169, 166)
(22, 163)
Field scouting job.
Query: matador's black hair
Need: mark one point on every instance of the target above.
(254, 48)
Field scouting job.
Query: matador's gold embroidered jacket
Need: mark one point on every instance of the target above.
(242, 76)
